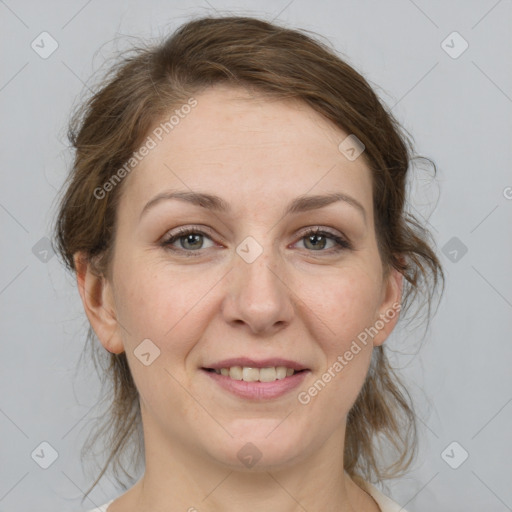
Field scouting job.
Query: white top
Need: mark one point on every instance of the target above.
(385, 503)
(103, 508)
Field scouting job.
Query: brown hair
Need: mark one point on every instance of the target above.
(151, 80)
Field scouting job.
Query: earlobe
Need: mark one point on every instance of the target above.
(389, 312)
(97, 298)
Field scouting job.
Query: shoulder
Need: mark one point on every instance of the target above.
(103, 508)
(386, 504)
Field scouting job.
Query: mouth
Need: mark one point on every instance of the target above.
(257, 380)
(251, 374)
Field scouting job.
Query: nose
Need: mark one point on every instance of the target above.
(258, 296)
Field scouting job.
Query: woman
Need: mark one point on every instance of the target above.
(235, 219)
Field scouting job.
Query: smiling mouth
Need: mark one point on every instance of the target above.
(249, 374)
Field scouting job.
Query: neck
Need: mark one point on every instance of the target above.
(179, 478)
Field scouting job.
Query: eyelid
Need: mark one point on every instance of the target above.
(173, 236)
(340, 239)
(184, 230)
(321, 229)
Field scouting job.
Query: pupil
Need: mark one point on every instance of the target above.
(190, 239)
(317, 243)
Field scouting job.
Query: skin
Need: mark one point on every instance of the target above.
(295, 301)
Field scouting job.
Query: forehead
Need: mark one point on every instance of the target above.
(236, 141)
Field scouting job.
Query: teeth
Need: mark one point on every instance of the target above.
(268, 374)
(249, 374)
(235, 372)
(282, 372)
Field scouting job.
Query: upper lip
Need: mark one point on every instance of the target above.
(253, 363)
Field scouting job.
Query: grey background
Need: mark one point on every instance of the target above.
(459, 112)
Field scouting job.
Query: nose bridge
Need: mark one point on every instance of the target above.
(258, 296)
(258, 267)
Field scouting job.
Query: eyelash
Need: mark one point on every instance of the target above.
(342, 243)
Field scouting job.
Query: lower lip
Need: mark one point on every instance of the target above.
(258, 390)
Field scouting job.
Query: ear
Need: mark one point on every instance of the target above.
(389, 310)
(98, 301)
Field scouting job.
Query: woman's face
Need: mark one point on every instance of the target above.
(250, 282)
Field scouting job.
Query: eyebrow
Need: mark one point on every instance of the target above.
(217, 204)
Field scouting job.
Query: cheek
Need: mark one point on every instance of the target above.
(168, 307)
(347, 305)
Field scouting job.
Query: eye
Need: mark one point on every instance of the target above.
(317, 240)
(188, 239)
(191, 240)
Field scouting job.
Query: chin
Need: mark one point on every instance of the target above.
(259, 446)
